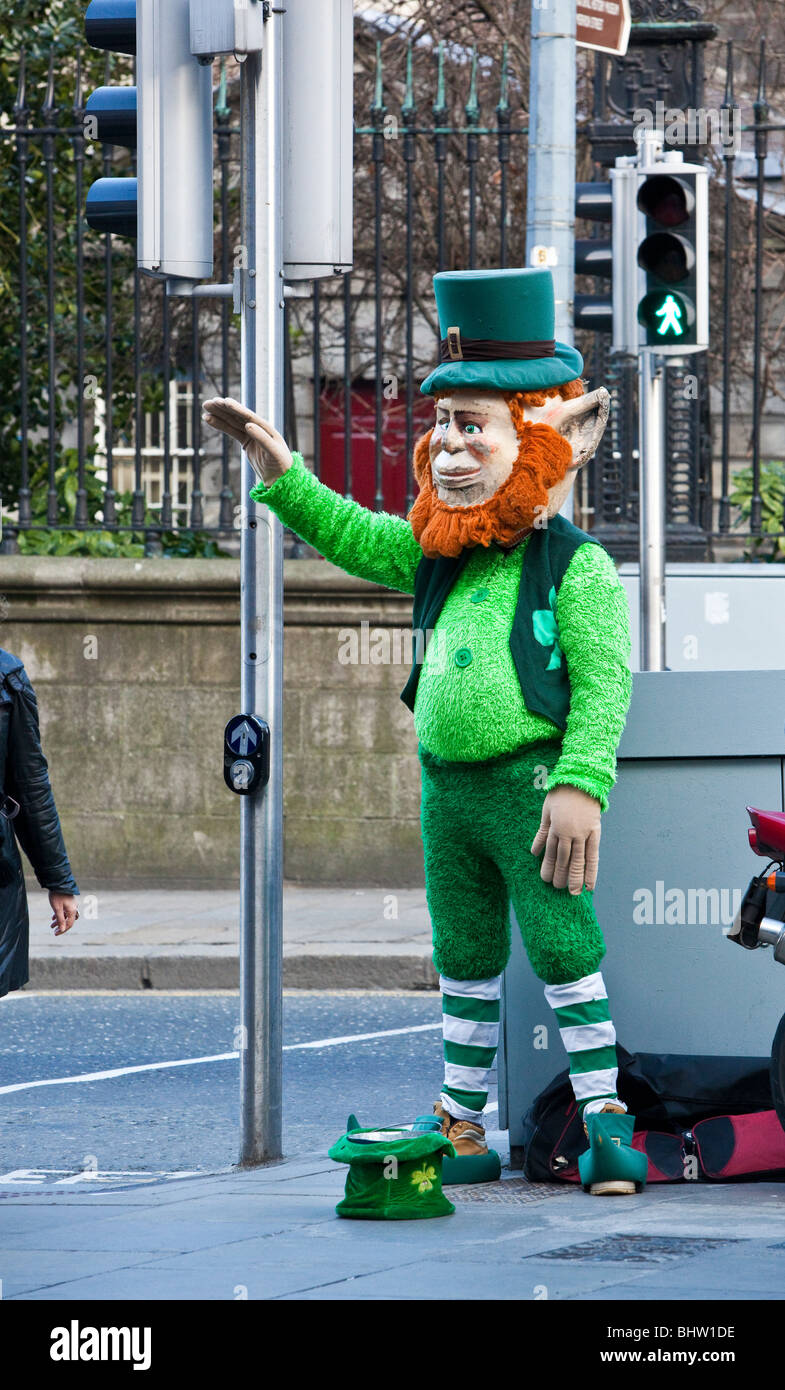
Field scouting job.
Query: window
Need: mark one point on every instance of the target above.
(181, 454)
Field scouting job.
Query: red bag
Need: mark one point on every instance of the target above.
(734, 1146)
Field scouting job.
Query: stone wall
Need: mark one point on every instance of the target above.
(136, 667)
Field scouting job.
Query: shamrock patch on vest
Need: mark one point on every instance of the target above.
(546, 631)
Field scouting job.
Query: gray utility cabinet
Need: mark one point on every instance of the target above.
(698, 747)
(719, 615)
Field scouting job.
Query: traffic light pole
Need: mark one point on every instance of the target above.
(261, 863)
(651, 416)
(651, 457)
(550, 199)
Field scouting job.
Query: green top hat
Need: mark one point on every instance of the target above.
(497, 331)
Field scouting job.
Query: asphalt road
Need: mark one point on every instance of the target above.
(187, 1117)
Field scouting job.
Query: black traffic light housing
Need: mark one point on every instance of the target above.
(673, 256)
(594, 256)
(110, 116)
(111, 24)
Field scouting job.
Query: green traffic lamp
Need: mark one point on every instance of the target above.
(668, 317)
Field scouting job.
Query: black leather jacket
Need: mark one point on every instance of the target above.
(24, 776)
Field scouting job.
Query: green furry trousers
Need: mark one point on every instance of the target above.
(478, 824)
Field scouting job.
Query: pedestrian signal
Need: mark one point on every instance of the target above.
(673, 253)
(666, 316)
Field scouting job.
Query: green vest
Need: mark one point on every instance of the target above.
(539, 661)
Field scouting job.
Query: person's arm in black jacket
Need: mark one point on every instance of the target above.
(37, 826)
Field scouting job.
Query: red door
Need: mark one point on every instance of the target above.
(363, 444)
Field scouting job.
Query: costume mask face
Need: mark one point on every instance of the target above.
(495, 465)
(473, 447)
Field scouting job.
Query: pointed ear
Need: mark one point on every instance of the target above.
(582, 423)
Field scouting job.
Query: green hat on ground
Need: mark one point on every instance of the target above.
(394, 1175)
(497, 330)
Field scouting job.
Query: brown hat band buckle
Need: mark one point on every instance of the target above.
(454, 344)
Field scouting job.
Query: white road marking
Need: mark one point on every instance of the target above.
(116, 1071)
(364, 1037)
(64, 1177)
(218, 1057)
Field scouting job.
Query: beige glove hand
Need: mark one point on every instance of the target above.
(267, 450)
(570, 832)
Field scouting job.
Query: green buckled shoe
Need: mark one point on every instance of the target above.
(610, 1166)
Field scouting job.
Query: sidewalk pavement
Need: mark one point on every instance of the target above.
(272, 1233)
(334, 938)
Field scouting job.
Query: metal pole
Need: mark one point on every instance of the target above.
(550, 197)
(651, 405)
(261, 895)
(651, 471)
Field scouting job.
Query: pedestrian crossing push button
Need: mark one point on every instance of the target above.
(246, 754)
(463, 657)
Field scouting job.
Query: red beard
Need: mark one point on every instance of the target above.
(543, 459)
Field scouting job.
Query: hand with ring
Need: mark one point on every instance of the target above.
(64, 910)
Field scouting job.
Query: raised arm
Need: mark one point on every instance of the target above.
(371, 545)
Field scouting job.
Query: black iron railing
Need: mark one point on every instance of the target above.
(100, 427)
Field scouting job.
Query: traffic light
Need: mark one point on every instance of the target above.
(110, 117)
(594, 256)
(673, 254)
(167, 119)
(661, 255)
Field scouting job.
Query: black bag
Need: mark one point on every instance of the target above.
(669, 1095)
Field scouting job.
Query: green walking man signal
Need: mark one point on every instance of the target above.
(665, 315)
(670, 313)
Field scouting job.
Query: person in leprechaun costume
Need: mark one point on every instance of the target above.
(520, 684)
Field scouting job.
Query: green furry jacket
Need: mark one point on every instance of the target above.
(469, 704)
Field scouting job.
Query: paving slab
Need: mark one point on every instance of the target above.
(273, 1233)
(31, 1278)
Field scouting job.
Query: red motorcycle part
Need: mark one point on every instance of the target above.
(767, 837)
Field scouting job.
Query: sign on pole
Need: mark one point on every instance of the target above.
(603, 24)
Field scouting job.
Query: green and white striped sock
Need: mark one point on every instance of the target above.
(589, 1038)
(470, 1022)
